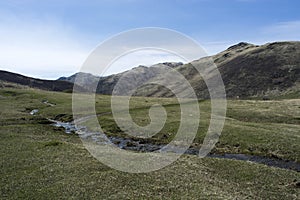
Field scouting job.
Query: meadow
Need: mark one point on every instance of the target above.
(40, 161)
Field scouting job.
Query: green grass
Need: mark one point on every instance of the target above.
(268, 128)
(39, 161)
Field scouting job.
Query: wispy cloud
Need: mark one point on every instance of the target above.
(47, 48)
(38, 47)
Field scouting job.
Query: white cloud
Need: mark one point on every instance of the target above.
(47, 48)
(44, 48)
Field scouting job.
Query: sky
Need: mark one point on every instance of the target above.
(53, 38)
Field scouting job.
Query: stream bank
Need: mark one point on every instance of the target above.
(133, 145)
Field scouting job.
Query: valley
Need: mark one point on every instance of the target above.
(37, 156)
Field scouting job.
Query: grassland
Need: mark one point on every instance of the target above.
(267, 128)
(39, 161)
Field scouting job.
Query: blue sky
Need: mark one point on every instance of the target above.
(49, 39)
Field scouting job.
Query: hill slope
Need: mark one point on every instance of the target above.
(268, 69)
(135, 77)
(52, 85)
(246, 69)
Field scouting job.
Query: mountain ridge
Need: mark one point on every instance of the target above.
(51, 85)
(247, 70)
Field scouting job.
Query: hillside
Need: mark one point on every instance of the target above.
(51, 85)
(270, 69)
(134, 77)
(247, 70)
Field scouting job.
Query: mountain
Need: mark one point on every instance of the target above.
(270, 69)
(85, 78)
(52, 85)
(246, 69)
(134, 77)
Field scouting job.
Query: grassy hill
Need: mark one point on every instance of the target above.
(247, 70)
(51, 85)
(268, 71)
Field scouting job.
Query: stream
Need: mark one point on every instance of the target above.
(130, 144)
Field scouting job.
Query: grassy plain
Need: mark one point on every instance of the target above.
(39, 161)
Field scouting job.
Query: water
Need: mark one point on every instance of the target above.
(35, 111)
(134, 145)
(273, 162)
(68, 126)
